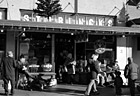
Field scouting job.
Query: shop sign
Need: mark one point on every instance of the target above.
(66, 18)
(100, 47)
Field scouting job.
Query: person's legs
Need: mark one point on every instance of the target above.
(105, 77)
(98, 79)
(65, 77)
(12, 80)
(6, 81)
(72, 78)
(89, 87)
(102, 80)
(132, 87)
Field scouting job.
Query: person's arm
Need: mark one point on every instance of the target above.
(14, 63)
(97, 67)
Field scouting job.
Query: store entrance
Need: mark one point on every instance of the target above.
(64, 44)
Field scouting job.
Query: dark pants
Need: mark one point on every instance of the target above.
(6, 81)
(71, 78)
(132, 86)
(64, 77)
(118, 90)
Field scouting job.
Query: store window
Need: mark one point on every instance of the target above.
(3, 15)
(102, 43)
(36, 47)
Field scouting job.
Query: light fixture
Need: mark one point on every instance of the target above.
(24, 29)
(104, 37)
(123, 36)
(23, 34)
(1, 30)
(48, 36)
(72, 33)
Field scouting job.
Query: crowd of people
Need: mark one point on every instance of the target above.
(101, 73)
(98, 70)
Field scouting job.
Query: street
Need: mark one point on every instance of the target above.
(67, 90)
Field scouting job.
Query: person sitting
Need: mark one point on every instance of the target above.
(102, 77)
(115, 66)
(22, 70)
(110, 72)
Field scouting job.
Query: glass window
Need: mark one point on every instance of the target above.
(3, 14)
(36, 47)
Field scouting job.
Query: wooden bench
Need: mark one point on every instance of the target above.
(43, 73)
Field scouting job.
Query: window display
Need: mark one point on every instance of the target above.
(37, 48)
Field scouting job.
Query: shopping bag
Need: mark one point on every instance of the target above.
(9, 85)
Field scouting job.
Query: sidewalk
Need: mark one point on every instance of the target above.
(67, 90)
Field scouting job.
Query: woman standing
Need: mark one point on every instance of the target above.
(94, 70)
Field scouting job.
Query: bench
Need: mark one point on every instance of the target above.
(43, 73)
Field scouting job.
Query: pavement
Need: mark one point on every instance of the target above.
(67, 90)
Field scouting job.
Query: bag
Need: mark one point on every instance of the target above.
(9, 85)
(126, 71)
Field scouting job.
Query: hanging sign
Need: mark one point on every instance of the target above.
(100, 47)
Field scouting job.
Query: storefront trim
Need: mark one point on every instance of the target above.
(48, 25)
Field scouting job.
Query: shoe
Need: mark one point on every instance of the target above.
(102, 85)
(96, 93)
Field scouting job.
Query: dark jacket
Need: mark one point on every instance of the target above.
(94, 69)
(8, 66)
(20, 66)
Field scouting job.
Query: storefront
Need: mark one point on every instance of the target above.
(42, 40)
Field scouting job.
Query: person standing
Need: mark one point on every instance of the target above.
(8, 66)
(118, 82)
(70, 65)
(94, 70)
(132, 74)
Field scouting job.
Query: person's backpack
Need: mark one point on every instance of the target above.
(126, 71)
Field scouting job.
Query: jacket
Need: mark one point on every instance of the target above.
(8, 66)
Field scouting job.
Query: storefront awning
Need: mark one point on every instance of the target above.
(46, 25)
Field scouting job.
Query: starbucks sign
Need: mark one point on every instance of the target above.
(100, 47)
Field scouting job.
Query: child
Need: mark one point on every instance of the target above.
(118, 83)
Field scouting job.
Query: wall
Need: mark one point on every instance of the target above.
(124, 50)
(133, 12)
(94, 6)
(136, 53)
(90, 7)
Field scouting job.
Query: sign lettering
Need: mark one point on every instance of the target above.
(80, 19)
